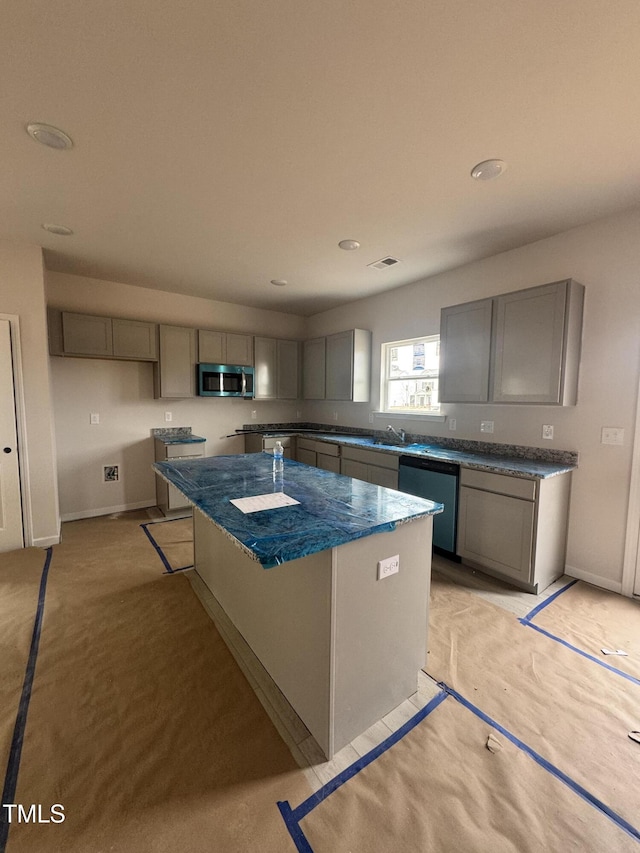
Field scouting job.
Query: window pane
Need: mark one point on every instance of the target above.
(410, 375)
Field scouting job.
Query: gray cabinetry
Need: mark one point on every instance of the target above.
(514, 528)
(288, 370)
(265, 375)
(520, 347)
(537, 344)
(175, 374)
(257, 443)
(320, 454)
(224, 348)
(90, 336)
(313, 369)
(169, 499)
(465, 352)
(348, 359)
(276, 369)
(135, 340)
(373, 466)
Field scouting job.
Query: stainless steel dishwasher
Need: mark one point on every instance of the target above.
(436, 481)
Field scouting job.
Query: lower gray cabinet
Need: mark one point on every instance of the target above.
(320, 454)
(513, 527)
(372, 466)
(171, 501)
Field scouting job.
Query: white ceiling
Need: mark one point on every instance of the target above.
(220, 144)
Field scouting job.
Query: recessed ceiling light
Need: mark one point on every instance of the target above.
(61, 230)
(488, 170)
(50, 136)
(349, 245)
(279, 282)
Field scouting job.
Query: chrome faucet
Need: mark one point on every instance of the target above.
(399, 434)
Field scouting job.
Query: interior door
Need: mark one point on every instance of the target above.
(11, 533)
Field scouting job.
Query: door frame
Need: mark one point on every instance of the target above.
(631, 561)
(21, 422)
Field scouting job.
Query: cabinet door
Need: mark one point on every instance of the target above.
(239, 349)
(84, 334)
(134, 339)
(306, 456)
(339, 366)
(287, 370)
(357, 470)
(328, 463)
(265, 369)
(211, 347)
(314, 369)
(529, 345)
(176, 371)
(382, 476)
(496, 531)
(465, 348)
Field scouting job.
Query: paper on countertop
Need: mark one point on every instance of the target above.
(612, 652)
(257, 503)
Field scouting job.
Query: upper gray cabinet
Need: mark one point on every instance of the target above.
(175, 374)
(276, 369)
(313, 369)
(91, 336)
(465, 352)
(338, 367)
(520, 347)
(224, 348)
(537, 344)
(348, 362)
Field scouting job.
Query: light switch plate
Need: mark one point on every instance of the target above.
(612, 435)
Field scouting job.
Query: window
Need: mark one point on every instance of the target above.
(410, 376)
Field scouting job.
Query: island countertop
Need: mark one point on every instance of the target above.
(332, 509)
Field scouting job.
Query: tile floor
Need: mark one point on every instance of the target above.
(303, 747)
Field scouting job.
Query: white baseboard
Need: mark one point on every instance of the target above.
(595, 580)
(46, 541)
(105, 510)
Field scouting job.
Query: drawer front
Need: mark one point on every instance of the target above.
(307, 444)
(179, 450)
(382, 476)
(327, 449)
(501, 484)
(308, 457)
(351, 468)
(328, 463)
(269, 442)
(371, 457)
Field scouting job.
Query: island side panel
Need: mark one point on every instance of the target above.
(380, 630)
(283, 613)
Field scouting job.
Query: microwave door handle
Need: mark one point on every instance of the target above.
(221, 381)
(244, 384)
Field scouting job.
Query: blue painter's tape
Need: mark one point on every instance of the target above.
(531, 615)
(584, 654)
(15, 751)
(292, 817)
(547, 765)
(159, 551)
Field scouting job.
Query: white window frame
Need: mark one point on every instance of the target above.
(385, 378)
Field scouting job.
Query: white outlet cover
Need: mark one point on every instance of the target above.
(168, 416)
(389, 566)
(612, 435)
(547, 431)
(452, 424)
(486, 426)
(94, 418)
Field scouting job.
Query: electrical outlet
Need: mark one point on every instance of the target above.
(390, 566)
(612, 435)
(110, 473)
(335, 416)
(254, 414)
(486, 426)
(298, 414)
(547, 431)
(370, 417)
(94, 418)
(168, 416)
(452, 424)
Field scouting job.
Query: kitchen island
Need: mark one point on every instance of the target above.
(300, 582)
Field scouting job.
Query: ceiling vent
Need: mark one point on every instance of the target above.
(384, 263)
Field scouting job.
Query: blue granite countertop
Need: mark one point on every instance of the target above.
(176, 435)
(512, 465)
(333, 509)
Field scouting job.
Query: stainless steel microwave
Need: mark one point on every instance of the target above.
(225, 380)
